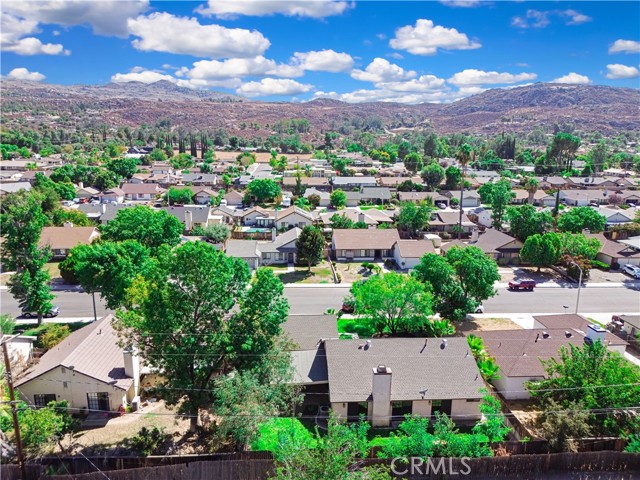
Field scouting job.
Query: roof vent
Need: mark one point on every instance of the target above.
(381, 369)
(568, 334)
(545, 334)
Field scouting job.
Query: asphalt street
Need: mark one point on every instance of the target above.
(316, 300)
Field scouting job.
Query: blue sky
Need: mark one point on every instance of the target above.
(412, 52)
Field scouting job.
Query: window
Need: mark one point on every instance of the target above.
(363, 253)
(65, 385)
(473, 400)
(436, 403)
(42, 400)
(63, 370)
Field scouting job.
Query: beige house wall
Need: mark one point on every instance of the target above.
(76, 389)
(465, 410)
(421, 408)
(339, 409)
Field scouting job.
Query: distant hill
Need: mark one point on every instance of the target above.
(587, 107)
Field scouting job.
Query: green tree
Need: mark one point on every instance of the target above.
(53, 335)
(334, 455)
(341, 221)
(460, 280)
(394, 303)
(595, 378)
(493, 424)
(338, 199)
(453, 178)
(263, 189)
(108, 267)
(464, 155)
(531, 186)
(561, 152)
(179, 195)
(198, 317)
(150, 228)
(577, 245)
(40, 427)
(541, 250)
(123, 167)
(7, 324)
(158, 155)
(432, 175)
(216, 233)
(525, 221)
(310, 246)
(499, 195)
(413, 218)
(413, 162)
(562, 426)
(578, 219)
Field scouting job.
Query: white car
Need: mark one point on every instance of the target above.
(480, 309)
(632, 270)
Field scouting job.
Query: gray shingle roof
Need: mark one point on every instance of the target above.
(418, 371)
(92, 351)
(242, 248)
(306, 330)
(200, 213)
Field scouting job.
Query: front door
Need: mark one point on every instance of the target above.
(98, 401)
(290, 257)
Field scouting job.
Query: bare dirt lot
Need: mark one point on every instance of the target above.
(487, 324)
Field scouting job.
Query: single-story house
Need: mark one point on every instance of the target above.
(226, 213)
(87, 369)
(203, 196)
(112, 195)
(470, 198)
(293, 217)
(319, 183)
(256, 216)
(582, 198)
(194, 216)
(432, 375)
(615, 253)
(616, 217)
(418, 197)
(407, 253)
(552, 182)
(62, 239)
(346, 183)
(281, 250)
(499, 245)
(363, 244)
(102, 213)
(518, 353)
(86, 192)
(393, 182)
(246, 250)
(13, 187)
(142, 191)
(377, 195)
(353, 214)
(325, 197)
(233, 198)
(200, 179)
(448, 222)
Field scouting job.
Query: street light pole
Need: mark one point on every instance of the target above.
(579, 285)
(14, 412)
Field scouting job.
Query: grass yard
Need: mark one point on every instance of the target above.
(54, 270)
(319, 274)
(355, 325)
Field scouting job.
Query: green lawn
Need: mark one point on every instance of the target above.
(54, 269)
(319, 274)
(355, 325)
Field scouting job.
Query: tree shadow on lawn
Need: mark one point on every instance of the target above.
(294, 277)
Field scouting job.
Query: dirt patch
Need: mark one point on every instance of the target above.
(261, 157)
(487, 324)
(525, 411)
(524, 273)
(351, 272)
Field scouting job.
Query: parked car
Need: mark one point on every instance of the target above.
(632, 270)
(349, 305)
(480, 309)
(522, 285)
(441, 205)
(55, 310)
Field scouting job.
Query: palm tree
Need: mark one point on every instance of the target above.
(464, 155)
(531, 186)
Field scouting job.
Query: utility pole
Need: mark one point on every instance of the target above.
(95, 316)
(14, 413)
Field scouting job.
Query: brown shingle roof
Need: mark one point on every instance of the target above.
(414, 248)
(93, 351)
(365, 239)
(493, 240)
(418, 371)
(141, 188)
(65, 238)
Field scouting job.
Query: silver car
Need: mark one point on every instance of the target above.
(632, 270)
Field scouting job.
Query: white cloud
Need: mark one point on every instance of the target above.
(33, 46)
(425, 38)
(425, 83)
(381, 70)
(24, 74)
(106, 17)
(395, 55)
(540, 19)
(461, 3)
(291, 8)
(470, 77)
(273, 86)
(625, 46)
(616, 71)
(381, 95)
(163, 32)
(144, 76)
(322, 61)
(12, 38)
(573, 78)
(238, 67)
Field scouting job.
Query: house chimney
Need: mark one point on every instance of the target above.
(103, 208)
(595, 333)
(361, 217)
(188, 220)
(381, 397)
(80, 184)
(274, 234)
(132, 366)
(474, 235)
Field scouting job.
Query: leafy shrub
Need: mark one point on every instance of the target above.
(148, 441)
(600, 265)
(53, 335)
(363, 329)
(633, 445)
(277, 434)
(7, 324)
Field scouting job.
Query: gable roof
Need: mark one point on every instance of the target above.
(65, 238)
(141, 188)
(612, 248)
(365, 239)
(492, 241)
(242, 248)
(414, 248)
(285, 212)
(199, 213)
(420, 369)
(305, 331)
(92, 351)
(451, 218)
(381, 193)
(281, 241)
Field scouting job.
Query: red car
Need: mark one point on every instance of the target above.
(522, 285)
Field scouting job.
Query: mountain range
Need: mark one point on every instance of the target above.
(604, 109)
